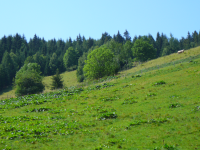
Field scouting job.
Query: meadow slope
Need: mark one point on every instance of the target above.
(153, 106)
(70, 78)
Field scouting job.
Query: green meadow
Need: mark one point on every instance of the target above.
(155, 105)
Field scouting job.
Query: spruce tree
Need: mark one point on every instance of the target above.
(119, 38)
(127, 36)
(57, 81)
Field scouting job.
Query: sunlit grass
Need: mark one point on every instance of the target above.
(146, 115)
(69, 79)
(166, 59)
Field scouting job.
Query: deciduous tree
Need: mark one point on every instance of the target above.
(142, 50)
(100, 62)
(70, 58)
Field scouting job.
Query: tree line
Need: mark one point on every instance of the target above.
(16, 51)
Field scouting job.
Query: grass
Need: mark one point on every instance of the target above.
(159, 109)
(69, 79)
(166, 60)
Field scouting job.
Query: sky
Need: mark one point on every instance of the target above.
(61, 19)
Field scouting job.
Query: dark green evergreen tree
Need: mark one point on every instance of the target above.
(68, 43)
(53, 63)
(3, 46)
(181, 43)
(57, 82)
(188, 41)
(127, 36)
(173, 44)
(9, 68)
(199, 39)
(2, 77)
(16, 43)
(9, 43)
(90, 43)
(134, 39)
(105, 38)
(195, 37)
(159, 42)
(118, 38)
(47, 70)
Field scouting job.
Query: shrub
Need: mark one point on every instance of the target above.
(151, 94)
(138, 75)
(108, 115)
(175, 105)
(159, 83)
(28, 80)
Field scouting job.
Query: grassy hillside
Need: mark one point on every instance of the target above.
(70, 78)
(155, 106)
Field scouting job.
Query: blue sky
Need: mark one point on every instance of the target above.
(61, 19)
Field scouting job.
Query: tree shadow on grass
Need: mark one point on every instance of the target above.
(6, 90)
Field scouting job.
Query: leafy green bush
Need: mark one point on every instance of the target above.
(169, 147)
(138, 75)
(80, 78)
(197, 108)
(151, 94)
(108, 115)
(175, 105)
(28, 80)
(159, 83)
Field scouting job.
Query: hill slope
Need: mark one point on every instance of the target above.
(157, 109)
(70, 78)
